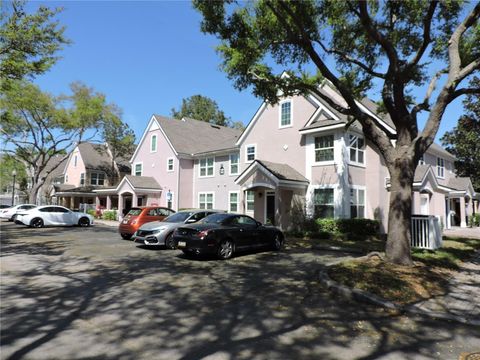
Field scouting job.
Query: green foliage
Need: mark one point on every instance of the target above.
(109, 215)
(8, 163)
(463, 140)
(202, 108)
(474, 220)
(41, 126)
(28, 42)
(92, 212)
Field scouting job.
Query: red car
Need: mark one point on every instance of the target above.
(138, 216)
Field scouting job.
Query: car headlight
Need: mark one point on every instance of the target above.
(159, 230)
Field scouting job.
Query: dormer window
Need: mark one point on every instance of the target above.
(97, 178)
(286, 114)
(440, 168)
(421, 161)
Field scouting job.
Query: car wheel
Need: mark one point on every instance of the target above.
(84, 222)
(277, 242)
(36, 223)
(169, 243)
(225, 250)
(126, 236)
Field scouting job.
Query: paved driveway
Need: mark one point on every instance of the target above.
(75, 293)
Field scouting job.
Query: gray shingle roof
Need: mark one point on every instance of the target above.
(439, 149)
(95, 156)
(143, 182)
(283, 171)
(420, 172)
(191, 136)
(459, 183)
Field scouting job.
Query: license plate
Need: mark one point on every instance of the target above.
(182, 244)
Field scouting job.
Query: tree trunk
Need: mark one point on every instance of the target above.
(397, 249)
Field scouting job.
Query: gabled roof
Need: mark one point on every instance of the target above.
(281, 174)
(59, 160)
(190, 136)
(95, 156)
(141, 182)
(440, 151)
(460, 183)
(420, 172)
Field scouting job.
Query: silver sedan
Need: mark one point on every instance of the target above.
(159, 233)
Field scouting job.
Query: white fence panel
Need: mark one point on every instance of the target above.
(426, 232)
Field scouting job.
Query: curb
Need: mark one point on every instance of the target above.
(366, 297)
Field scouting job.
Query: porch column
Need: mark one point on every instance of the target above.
(448, 222)
(134, 199)
(109, 202)
(470, 208)
(463, 223)
(97, 202)
(120, 206)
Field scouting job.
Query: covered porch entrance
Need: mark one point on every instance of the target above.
(271, 191)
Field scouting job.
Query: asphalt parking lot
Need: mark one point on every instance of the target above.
(83, 293)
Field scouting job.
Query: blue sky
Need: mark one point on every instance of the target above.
(147, 56)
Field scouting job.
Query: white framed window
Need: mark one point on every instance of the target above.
(323, 203)
(421, 161)
(206, 200)
(153, 143)
(138, 169)
(285, 114)
(234, 162)
(75, 160)
(170, 164)
(82, 179)
(206, 167)
(357, 203)
(250, 152)
(357, 149)
(66, 178)
(440, 167)
(324, 149)
(250, 201)
(97, 178)
(233, 201)
(424, 204)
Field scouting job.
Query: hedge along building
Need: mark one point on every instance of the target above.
(293, 156)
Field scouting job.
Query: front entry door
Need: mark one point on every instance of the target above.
(270, 200)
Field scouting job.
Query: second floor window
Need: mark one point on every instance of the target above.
(324, 148)
(234, 164)
(153, 144)
(440, 167)
(170, 164)
(421, 161)
(206, 167)
(286, 114)
(75, 159)
(82, 179)
(251, 151)
(138, 169)
(97, 178)
(357, 149)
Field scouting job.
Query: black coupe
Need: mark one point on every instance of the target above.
(224, 234)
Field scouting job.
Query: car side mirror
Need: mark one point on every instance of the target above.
(259, 224)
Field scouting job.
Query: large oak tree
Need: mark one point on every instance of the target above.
(388, 47)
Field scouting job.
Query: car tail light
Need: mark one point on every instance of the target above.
(134, 222)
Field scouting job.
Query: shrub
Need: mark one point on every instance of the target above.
(91, 212)
(328, 225)
(109, 215)
(474, 220)
(362, 227)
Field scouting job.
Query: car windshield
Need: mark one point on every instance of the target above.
(178, 217)
(215, 218)
(135, 211)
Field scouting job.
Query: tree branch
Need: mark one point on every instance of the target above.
(465, 91)
(427, 22)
